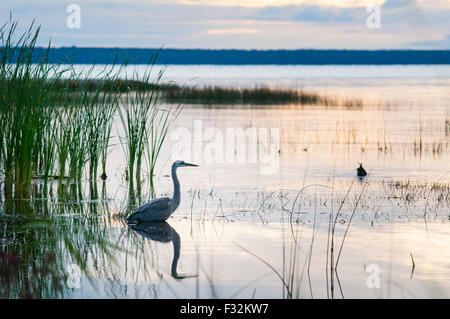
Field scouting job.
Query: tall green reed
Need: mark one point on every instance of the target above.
(25, 105)
(144, 122)
(56, 122)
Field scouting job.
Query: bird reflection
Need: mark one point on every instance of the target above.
(164, 233)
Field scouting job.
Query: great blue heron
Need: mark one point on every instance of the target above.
(164, 233)
(159, 209)
(360, 171)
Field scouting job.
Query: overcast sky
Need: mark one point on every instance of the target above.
(240, 24)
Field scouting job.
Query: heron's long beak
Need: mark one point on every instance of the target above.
(189, 164)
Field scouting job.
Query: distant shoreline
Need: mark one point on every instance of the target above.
(77, 55)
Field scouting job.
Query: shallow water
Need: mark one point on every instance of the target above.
(216, 253)
(246, 226)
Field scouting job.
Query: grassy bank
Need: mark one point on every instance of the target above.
(256, 96)
(214, 95)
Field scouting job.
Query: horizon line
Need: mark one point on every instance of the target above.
(228, 49)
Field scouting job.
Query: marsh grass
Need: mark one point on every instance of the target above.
(257, 95)
(209, 95)
(136, 117)
(55, 123)
(145, 122)
(99, 108)
(447, 126)
(26, 109)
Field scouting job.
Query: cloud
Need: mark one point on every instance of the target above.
(311, 13)
(442, 44)
(282, 3)
(232, 31)
(399, 3)
(282, 24)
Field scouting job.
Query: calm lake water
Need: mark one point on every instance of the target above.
(280, 214)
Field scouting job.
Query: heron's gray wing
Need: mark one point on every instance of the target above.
(157, 205)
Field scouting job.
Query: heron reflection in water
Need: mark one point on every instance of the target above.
(164, 233)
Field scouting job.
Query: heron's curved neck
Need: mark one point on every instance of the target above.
(176, 188)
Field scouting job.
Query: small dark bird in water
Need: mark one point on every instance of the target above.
(360, 171)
